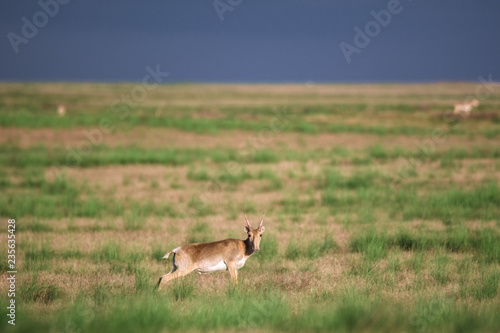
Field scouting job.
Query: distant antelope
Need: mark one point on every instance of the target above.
(465, 107)
(61, 110)
(228, 254)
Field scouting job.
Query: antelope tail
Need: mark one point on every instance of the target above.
(171, 251)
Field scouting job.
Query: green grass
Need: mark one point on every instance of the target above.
(157, 252)
(352, 310)
(483, 244)
(275, 182)
(440, 269)
(135, 216)
(453, 204)
(230, 177)
(417, 249)
(484, 289)
(332, 179)
(372, 246)
(269, 248)
(182, 289)
(38, 251)
(200, 232)
(108, 251)
(39, 292)
(101, 155)
(37, 226)
(200, 175)
(199, 207)
(212, 126)
(297, 249)
(60, 198)
(144, 280)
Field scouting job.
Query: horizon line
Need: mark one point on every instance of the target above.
(186, 82)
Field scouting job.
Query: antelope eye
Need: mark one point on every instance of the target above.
(261, 235)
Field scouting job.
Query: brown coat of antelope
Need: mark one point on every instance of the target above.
(228, 254)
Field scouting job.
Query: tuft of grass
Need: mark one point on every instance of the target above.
(293, 250)
(416, 261)
(329, 198)
(378, 152)
(39, 251)
(484, 244)
(223, 156)
(143, 279)
(4, 181)
(365, 215)
(306, 127)
(275, 182)
(198, 175)
(440, 271)
(35, 291)
(101, 293)
(200, 232)
(247, 206)
(199, 207)
(37, 226)
(135, 255)
(487, 286)
(33, 177)
(157, 252)
(133, 220)
(311, 250)
(60, 185)
(294, 205)
(268, 248)
(229, 177)
(455, 203)
(182, 289)
(317, 248)
(373, 246)
(91, 207)
(108, 251)
(71, 253)
(265, 156)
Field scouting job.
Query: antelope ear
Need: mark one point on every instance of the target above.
(262, 229)
(247, 229)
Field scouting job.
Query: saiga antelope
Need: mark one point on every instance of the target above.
(61, 110)
(228, 254)
(465, 107)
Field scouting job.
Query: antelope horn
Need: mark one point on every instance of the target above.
(261, 221)
(248, 223)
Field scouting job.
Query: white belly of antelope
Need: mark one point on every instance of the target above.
(218, 267)
(241, 263)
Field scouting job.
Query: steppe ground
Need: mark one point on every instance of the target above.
(382, 209)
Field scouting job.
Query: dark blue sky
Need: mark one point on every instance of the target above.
(258, 41)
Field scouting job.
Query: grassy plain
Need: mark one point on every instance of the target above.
(382, 211)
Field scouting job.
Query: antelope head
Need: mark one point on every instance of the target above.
(474, 103)
(254, 235)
